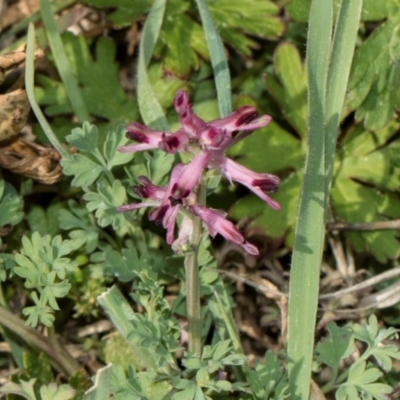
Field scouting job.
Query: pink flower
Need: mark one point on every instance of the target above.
(215, 222)
(207, 143)
(167, 207)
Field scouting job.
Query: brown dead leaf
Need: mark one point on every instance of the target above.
(16, 59)
(14, 106)
(17, 11)
(14, 110)
(31, 160)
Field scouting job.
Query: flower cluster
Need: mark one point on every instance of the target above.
(207, 143)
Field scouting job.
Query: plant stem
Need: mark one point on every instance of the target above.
(193, 280)
(60, 357)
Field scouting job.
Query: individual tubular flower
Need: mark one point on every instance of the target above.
(216, 222)
(190, 175)
(147, 138)
(260, 184)
(167, 207)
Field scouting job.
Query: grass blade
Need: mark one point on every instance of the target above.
(62, 63)
(149, 106)
(310, 232)
(344, 41)
(101, 388)
(218, 60)
(29, 84)
(120, 313)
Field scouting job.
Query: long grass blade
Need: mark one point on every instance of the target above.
(344, 41)
(29, 84)
(63, 66)
(310, 232)
(218, 60)
(149, 106)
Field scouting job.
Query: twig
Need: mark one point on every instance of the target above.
(364, 226)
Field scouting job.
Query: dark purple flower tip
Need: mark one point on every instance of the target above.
(137, 137)
(179, 193)
(147, 139)
(169, 144)
(141, 133)
(267, 185)
(158, 214)
(174, 142)
(214, 138)
(147, 190)
(174, 202)
(245, 114)
(181, 101)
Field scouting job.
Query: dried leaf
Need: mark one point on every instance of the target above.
(14, 110)
(31, 160)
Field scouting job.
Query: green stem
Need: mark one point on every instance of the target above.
(60, 357)
(193, 280)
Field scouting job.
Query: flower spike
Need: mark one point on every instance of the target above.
(206, 144)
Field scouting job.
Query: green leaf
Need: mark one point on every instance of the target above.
(375, 76)
(105, 202)
(83, 230)
(86, 171)
(23, 388)
(339, 345)
(299, 10)
(362, 379)
(124, 12)
(121, 264)
(221, 350)
(115, 139)
(377, 10)
(38, 313)
(236, 20)
(84, 139)
(184, 40)
(106, 100)
(38, 367)
(10, 205)
(44, 221)
(268, 378)
(373, 337)
(42, 265)
(291, 94)
(54, 392)
(87, 168)
(364, 158)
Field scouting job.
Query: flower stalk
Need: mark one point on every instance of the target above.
(193, 280)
